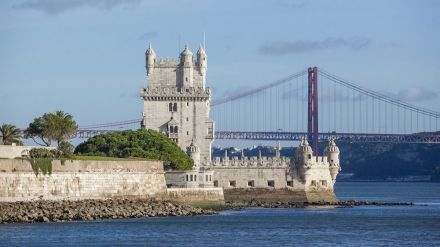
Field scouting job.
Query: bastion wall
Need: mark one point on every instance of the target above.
(77, 180)
(80, 179)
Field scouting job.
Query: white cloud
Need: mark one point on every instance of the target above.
(415, 94)
(278, 48)
(54, 7)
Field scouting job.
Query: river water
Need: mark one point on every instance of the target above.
(358, 226)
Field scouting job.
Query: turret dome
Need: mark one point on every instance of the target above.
(192, 148)
(201, 51)
(331, 146)
(305, 147)
(186, 52)
(150, 50)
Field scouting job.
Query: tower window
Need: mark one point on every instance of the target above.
(187, 103)
(172, 107)
(186, 78)
(309, 156)
(271, 183)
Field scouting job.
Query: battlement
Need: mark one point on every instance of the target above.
(166, 63)
(167, 93)
(253, 161)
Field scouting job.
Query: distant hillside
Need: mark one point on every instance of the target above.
(373, 161)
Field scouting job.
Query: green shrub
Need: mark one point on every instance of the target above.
(148, 144)
(65, 149)
(43, 153)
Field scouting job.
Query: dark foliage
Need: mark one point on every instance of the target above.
(148, 144)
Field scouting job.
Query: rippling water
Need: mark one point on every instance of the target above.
(359, 226)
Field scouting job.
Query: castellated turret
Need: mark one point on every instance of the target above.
(202, 61)
(194, 152)
(332, 153)
(186, 61)
(304, 152)
(150, 59)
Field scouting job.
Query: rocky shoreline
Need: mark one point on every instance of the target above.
(345, 204)
(59, 211)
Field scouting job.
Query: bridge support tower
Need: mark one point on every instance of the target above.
(312, 118)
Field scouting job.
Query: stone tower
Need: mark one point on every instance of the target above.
(176, 101)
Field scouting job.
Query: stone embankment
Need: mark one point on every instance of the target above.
(345, 204)
(55, 211)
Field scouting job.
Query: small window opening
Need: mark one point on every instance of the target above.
(232, 183)
(251, 183)
(215, 183)
(309, 156)
(290, 183)
(271, 183)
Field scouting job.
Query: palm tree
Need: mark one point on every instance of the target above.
(10, 134)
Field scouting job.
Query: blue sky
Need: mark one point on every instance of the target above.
(87, 57)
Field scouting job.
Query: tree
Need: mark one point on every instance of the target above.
(141, 143)
(58, 126)
(10, 134)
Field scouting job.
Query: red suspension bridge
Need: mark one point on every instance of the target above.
(298, 105)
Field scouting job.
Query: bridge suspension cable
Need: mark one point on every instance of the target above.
(378, 95)
(259, 89)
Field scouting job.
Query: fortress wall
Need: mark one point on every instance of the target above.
(260, 176)
(77, 180)
(209, 197)
(266, 195)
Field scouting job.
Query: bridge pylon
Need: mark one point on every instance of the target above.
(312, 118)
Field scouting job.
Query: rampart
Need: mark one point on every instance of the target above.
(89, 179)
(78, 179)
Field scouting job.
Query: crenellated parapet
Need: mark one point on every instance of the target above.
(250, 162)
(173, 93)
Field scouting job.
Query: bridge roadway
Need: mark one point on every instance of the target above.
(296, 136)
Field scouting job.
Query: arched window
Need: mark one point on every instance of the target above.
(170, 107)
(175, 107)
(175, 129)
